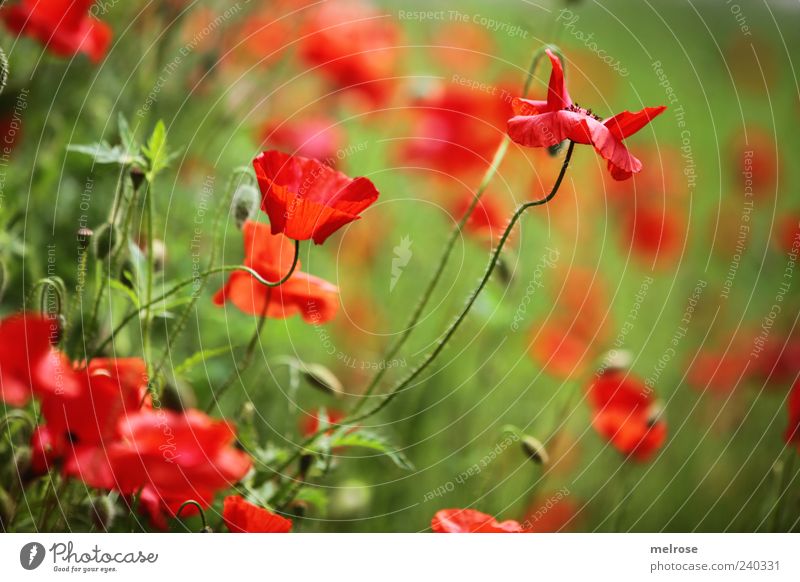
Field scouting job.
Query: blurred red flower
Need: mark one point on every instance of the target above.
(456, 129)
(548, 123)
(654, 232)
(568, 340)
(792, 434)
(788, 233)
(63, 26)
(549, 514)
(241, 516)
(79, 425)
(270, 255)
(307, 199)
(29, 364)
(755, 161)
(353, 45)
(470, 521)
(171, 457)
(314, 137)
(487, 222)
(625, 413)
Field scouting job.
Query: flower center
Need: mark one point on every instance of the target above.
(575, 108)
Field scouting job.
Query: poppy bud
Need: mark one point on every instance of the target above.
(159, 255)
(22, 460)
(322, 378)
(102, 512)
(84, 234)
(297, 509)
(207, 529)
(245, 201)
(654, 415)
(137, 177)
(305, 464)
(554, 150)
(535, 450)
(126, 274)
(503, 271)
(106, 241)
(178, 396)
(3, 279)
(6, 510)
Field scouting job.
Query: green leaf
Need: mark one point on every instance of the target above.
(105, 153)
(125, 290)
(201, 356)
(156, 153)
(375, 442)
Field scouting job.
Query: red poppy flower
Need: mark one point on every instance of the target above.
(28, 363)
(306, 199)
(792, 434)
(108, 390)
(63, 26)
(241, 516)
(470, 521)
(175, 456)
(80, 425)
(548, 123)
(353, 46)
(270, 255)
(625, 413)
(316, 137)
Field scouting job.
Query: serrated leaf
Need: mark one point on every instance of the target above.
(375, 442)
(156, 152)
(105, 153)
(125, 290)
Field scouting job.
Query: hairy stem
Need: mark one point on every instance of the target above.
(355, 417)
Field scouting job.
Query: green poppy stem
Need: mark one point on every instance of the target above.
(451, 330)
(455, 234)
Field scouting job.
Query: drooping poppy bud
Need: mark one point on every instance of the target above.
(102, 512)
(535, 450)
(106, 241)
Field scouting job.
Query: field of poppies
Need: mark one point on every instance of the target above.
(364, 266)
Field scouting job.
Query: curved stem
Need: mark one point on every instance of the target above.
(199, 508)
(448, 334)
(185, 283)
(497, 159)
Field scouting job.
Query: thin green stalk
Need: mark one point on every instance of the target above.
(148, 315)
(441, 344)
(245, 362)
(455, 234)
